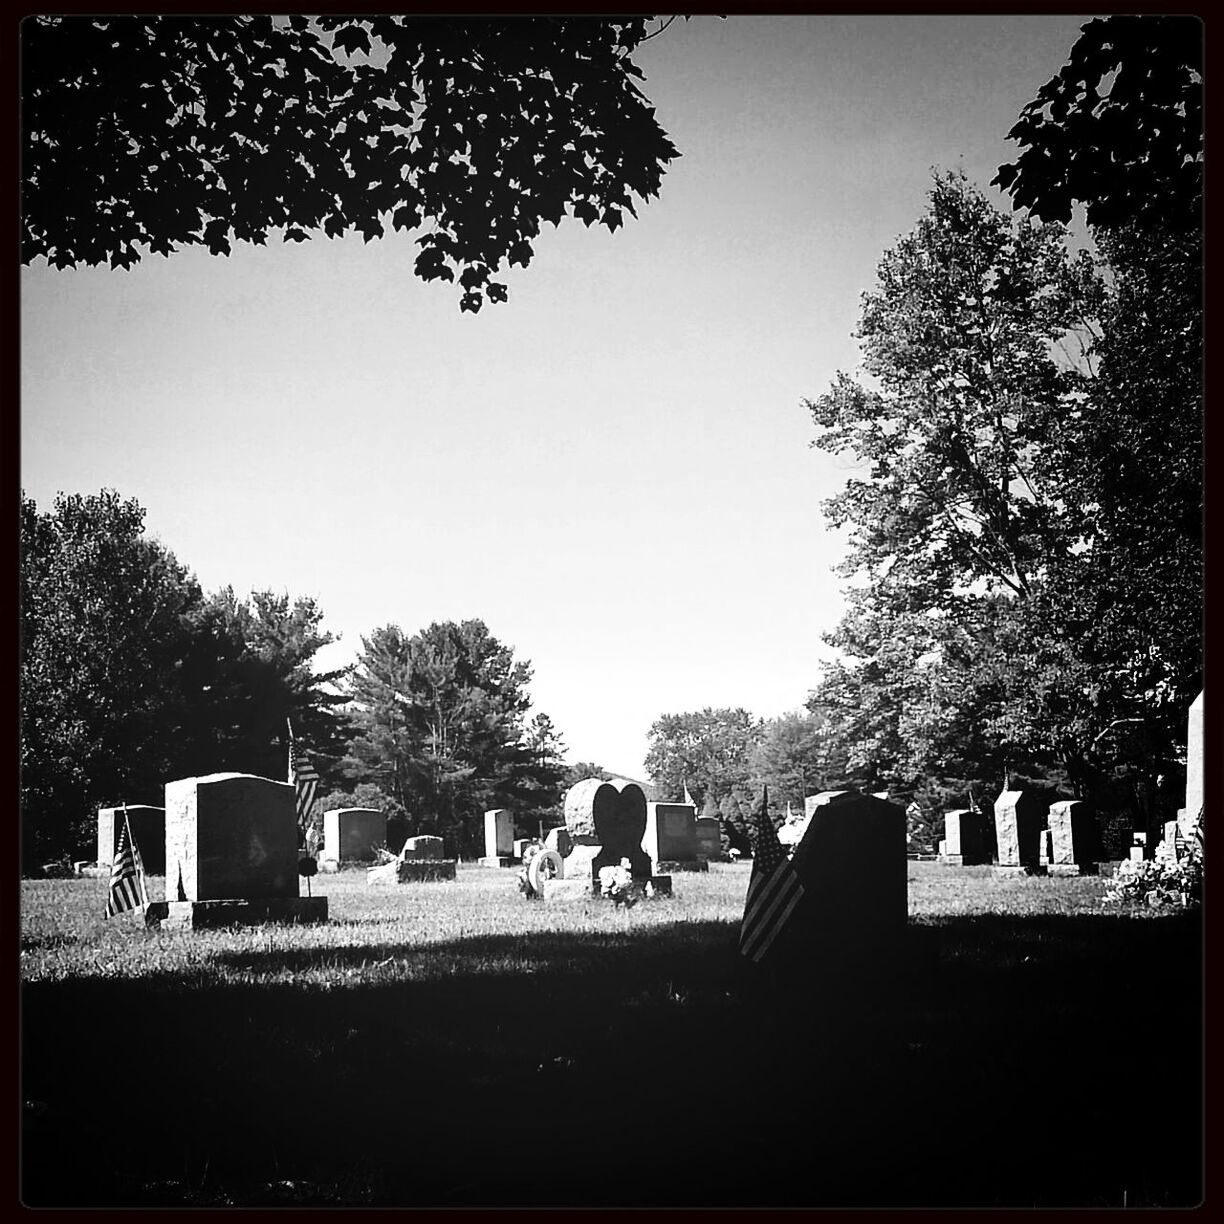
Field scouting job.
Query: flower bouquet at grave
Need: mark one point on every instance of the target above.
(617, 883)
(1157, 882)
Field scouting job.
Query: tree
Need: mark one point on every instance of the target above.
(1005, 624)
(163, 131)
(438, 721)
(706, 750)
(103, 635)
(1119, 128)
(251, 675)
(790, 757)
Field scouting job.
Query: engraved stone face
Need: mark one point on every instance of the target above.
(230, 836)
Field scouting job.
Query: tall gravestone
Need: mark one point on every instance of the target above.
(709, 838)
(965, 835)
(1019, 817)
(499, 838)
(148, 826)
(353, 835)
(1195, 768)
(671, 838)
(232, 853)
(852, 864)
(1075, 843)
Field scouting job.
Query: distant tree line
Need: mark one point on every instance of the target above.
(132, 676)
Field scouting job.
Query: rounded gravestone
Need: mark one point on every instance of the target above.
(589, 802)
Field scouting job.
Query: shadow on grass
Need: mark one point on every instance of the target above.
(987, 1065)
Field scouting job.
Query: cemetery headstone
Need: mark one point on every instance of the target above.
(670, 839)
(351, 835)
(232, 853)
(1019, 817)
(148, 825)
(499, 838)
(520, 847)
(1075, 844)
(1194, 768)
(709, 838)
(423, 846)
(559, 839)
(853, 868)
(606, 822)
(411, 871)
(1138, 847)
(965, 832)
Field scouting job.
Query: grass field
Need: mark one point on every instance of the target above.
(453, 1044)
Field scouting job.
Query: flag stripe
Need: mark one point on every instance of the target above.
(759, 915)
(755, 954)
(774, 889)
(768, 897)
(127, 882)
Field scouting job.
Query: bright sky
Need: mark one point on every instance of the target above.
(613, 469)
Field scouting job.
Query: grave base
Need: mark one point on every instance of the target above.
(562, 891)
(1022, 869)
(495, 860)
(411, 871)
(1074, 869)
(665, 865)
(198, 915)
(952, 860)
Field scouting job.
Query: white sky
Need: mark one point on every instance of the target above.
(612, 469)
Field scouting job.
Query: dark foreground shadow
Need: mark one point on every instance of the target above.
(995, 1062)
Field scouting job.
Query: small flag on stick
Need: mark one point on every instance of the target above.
(689, 798)
(127, 883)
(773, 889)
(303, 779)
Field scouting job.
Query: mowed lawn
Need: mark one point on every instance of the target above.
(453, 1044)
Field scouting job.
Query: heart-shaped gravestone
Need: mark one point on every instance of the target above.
(612, 814)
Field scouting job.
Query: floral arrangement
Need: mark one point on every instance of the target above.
(617, 883)
(1164, 881)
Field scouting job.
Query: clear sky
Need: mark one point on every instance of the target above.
(613, 469)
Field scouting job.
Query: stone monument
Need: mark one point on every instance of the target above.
(1019, 817)
(499, 838)
(606, 822)
(1195, 769)
(1075, 845)
(671, 838)
(965, 835)
(148, 825)
(352, 835)
(852, 864)
(232, 854)
(709, 836)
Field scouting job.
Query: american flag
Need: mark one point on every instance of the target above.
(127, 882)
(305, 782)
(773, 890)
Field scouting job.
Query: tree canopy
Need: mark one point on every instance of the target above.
(147, 133)
(131, 676)
(1119, 128)
(438, 720)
